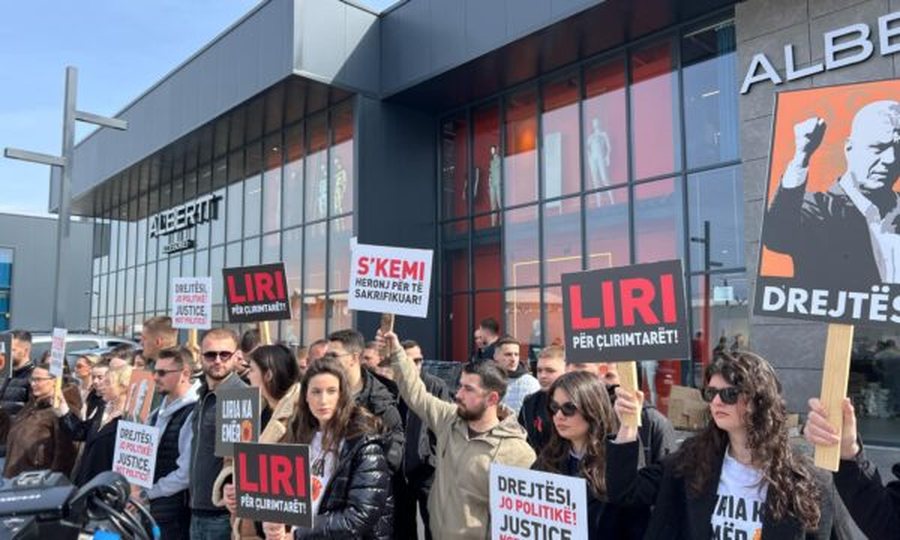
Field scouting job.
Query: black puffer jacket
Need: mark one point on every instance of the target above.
(377, 398)
(17, 390)
(357, 503)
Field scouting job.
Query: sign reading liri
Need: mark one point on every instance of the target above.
(256, 293)
(626, 313)
(273, 483)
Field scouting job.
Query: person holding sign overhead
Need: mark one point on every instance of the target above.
(471, 434)
(351, 480)
(582, 416)
(873, 506)
(274, 371)
(739, 477)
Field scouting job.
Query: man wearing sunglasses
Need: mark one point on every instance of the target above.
(169, 495)
(219, 351)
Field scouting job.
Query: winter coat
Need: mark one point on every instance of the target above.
(520, 385)
(535, 418)
(874, 506)
(14, 393)
(273, 433)
(99, 443)
(679, 515)
(459, 500)
(377, 398)
(357, 503)
(36, 440)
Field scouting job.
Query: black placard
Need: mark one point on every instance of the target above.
(237, 418)
(627, 313)
(273, 483)
(256, 293)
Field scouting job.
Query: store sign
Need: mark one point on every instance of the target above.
(844, 47)
(185, 216)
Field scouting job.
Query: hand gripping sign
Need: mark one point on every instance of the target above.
(273, 483)
(534, 504)
(390, 280)
(256, 293)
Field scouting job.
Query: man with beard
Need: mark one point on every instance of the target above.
(219, 352)
(471, 434)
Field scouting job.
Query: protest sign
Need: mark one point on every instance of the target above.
(135, 453)
(191, 301)
(6, 362)
(626, 313)
(140, 396)
(272, 483)
(531, 504)
(256, 293)
(237, 418)
(58, 351)
(390, 280)
(825, 255)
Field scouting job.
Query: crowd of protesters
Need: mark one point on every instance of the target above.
(395, 454)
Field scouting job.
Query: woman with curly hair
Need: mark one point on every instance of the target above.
(351, 481)
(582, 416)
(739, 477)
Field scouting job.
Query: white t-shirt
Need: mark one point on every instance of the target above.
(321, 467)
(740, 501)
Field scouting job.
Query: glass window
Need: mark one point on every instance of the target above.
(235, 203)
(520, 157)
(255, 113)
(95, 296)
(338, 312)
(455, 167)
(656, 146)
(139, 283)
(717, 196)
(456, 269)
(562, 238)
(217, 226)
(293, 177)
(487, 263)
(487, 304)
(559, 137)
(251, 251)
(216, 264)
(523, 315)
(313, 318)
(120, 292)
(292, 246)
(252, 205)
(710, 96)
(114, 245)
(220, 137)
(605, 125)
(150, 292)
(457, 337)
(142, 241)
(606, 220)
(522, 261)
(875, 384)
(272, 184)
(486, 185)
(342, 178)
(658, 220)
(233, 255)
(6, 262)
(727, 307)
(220, 173)
(339, 253)
(274, 108)
(129, 290)
(317, 169)
(104, 295)
(553, 309)
(271, 248)
(316, 257)
(201, 267)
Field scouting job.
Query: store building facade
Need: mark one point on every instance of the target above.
(518, 139)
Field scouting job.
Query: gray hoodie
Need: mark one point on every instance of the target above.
(177, 480)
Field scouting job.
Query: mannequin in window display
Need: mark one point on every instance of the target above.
(599, 150)
(340, 187)
(322, 195)
(494, 183)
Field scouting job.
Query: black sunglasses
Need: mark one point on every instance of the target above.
(568, 408)
(212, 355)
(729, 396)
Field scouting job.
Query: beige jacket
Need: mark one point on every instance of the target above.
(275, 430)
(459, 503)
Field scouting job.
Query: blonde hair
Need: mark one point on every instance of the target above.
(120, 376)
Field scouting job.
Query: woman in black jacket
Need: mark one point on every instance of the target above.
(351, 481)
(582, 416)
(98, 431)
(739, 477)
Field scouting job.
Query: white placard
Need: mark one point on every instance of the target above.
(58, 351)
(135, 454)
(191, 301)
(534, 504)
(387, 279)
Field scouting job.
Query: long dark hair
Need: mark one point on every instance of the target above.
(791, 485)
(590, 396)
(277, 360)
(349, 420)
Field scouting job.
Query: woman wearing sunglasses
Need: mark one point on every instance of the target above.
(582, 416)
(739, 477)
(274, 371)
(351, 481)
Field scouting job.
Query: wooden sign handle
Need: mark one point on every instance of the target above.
(265, 336)
(192, 338)
(628, 380)
(835, 375)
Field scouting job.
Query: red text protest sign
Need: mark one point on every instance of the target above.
(626, 313)
(58, 351)
(272, 483)
(527, 504)
(256, 293)
(135, 453)
(191, 302)
(390, 280)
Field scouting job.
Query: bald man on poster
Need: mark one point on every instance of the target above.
(849, 236)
